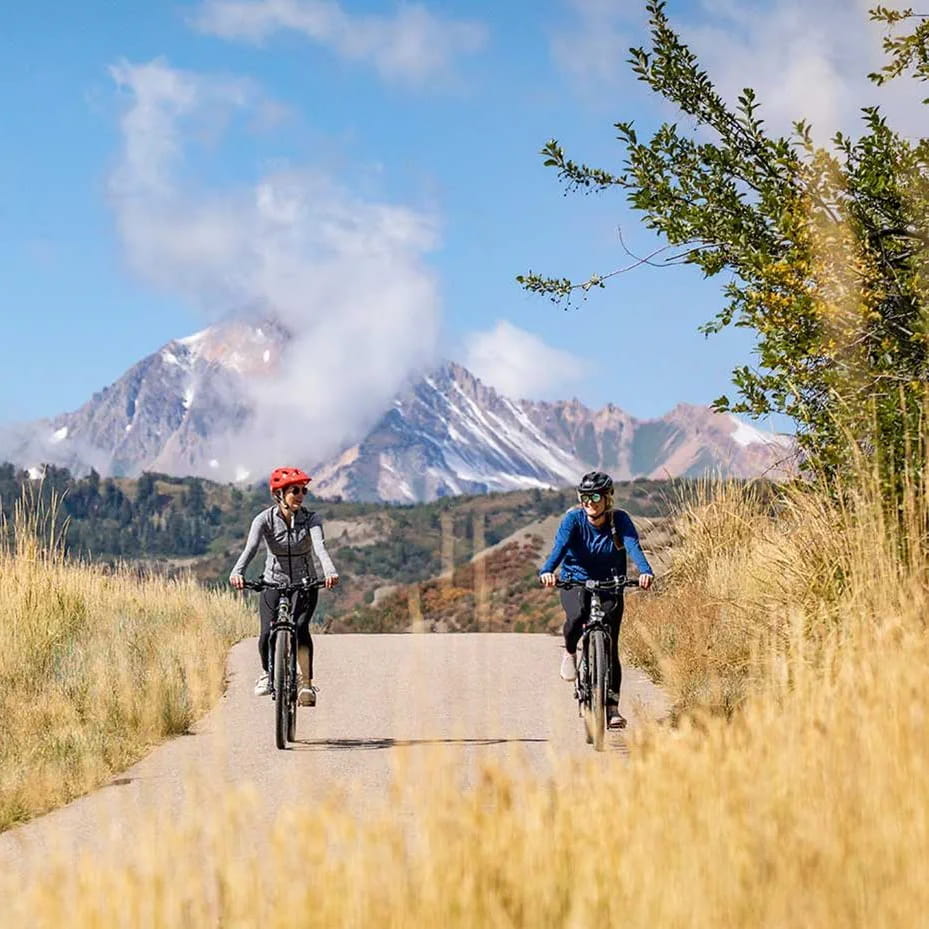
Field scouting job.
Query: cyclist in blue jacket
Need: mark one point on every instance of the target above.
(591, 544)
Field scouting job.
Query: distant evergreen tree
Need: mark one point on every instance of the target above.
(56, 480)
(195, 498)
(146, 494)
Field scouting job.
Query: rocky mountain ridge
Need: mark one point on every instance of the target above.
(183, 410)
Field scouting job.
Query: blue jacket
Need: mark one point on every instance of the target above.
(588, 553)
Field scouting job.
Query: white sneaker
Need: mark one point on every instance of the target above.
(568, 667)
(307, 696)
(263, 686)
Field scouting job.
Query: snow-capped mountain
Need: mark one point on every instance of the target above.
(174, 411)
(450, 434)
(182, 409)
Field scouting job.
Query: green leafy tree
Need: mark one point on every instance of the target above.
(907, 53)
(821, 250)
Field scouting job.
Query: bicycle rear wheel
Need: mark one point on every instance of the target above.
(598, 674)
(281, 688)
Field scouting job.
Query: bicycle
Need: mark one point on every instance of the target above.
(282, 654)
(592, 683)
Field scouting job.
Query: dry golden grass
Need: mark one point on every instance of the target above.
(95, 667)
(746, 562)
(805, 805)
(808, 809)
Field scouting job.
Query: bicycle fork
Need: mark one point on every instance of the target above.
(283, 629)
(580, 681)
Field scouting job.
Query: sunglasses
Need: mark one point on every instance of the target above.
(296, 490)
(590, 498)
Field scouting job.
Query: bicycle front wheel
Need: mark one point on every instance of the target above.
(598, 675)
(292, 699)
(582, 691)
(281, 688)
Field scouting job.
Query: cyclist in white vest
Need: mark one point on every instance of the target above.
(291, 534)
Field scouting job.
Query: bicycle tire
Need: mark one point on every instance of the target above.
(281, 688)
(582, 689)
(292, 724)
(598, 675)
(292, 701)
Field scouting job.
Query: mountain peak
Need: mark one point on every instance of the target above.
(458, 372)
(178, 410)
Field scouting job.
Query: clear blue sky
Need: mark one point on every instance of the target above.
(436, 110)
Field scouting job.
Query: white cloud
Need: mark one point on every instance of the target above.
(805, 60)
(593, 46)
(346, 276)
(520, 364)
(413, 45)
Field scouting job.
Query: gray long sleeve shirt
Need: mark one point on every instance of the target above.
(290, 548)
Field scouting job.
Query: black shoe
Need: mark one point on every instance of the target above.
(614, 719)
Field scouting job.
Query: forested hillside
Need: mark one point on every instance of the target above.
(190, 525)
(153, 517)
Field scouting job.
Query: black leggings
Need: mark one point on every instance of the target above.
(576, 603)
(303, 612)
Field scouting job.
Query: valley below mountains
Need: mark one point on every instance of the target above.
(188, 409)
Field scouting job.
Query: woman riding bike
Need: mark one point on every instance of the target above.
(289, 532)
(591, 544)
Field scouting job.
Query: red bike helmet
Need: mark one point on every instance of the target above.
(284, 477)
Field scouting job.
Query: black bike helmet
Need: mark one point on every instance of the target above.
(595, 482)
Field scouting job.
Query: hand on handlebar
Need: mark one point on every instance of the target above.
(643, 582)
(331, 581)
(237, 581)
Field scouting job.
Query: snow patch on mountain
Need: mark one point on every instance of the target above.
(746, 434)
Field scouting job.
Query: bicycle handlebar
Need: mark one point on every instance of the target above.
(615, 584)
(305, 584)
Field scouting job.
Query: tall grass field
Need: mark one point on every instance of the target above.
(95, 666)
(790, 790)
